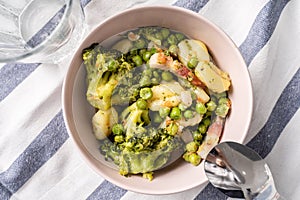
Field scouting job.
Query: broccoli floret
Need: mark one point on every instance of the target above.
(142, 150)
(104, 69)
(98, 60)
(110, 151)
(149, 160)
(100, 97)
(127, 90)
(145, 150)
(142, 162)
(134, 119)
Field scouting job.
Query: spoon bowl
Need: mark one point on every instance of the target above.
(240, 172)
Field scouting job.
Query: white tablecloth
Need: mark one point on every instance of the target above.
(37, 157)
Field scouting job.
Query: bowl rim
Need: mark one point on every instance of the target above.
(68, 86)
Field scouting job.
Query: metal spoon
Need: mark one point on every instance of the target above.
(240, 172)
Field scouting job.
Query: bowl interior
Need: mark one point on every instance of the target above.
(179, 176)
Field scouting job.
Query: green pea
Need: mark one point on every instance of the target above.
(119, 138)
(146, 56)
(147, 72)
(142, 51)
(156, 74)
(197, 136)
(159, 36)
(137, 60)
(117, 129)
(140, 43)
(165, 32)
(179, 36)
(191, 147)
(202, 128)
(194, 159)
(211, 105)
(192, 63)
(206, 121)
(141, 104)
(186, 156)
(146, 93)
(200, 108)
(167, 76)
(113, 65)
(224, 100)
(173, 49)
(188, 114)
(172, 39)
(222, 110)
(164, 112)
(175, 113)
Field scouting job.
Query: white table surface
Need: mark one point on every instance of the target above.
(37, 157)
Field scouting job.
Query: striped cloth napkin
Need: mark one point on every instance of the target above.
(37, 157)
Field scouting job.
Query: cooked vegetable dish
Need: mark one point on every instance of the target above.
(156, 92)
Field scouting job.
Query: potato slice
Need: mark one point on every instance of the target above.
(123, 45)
(192, 49)
(214, 78)
(103, 121)
(201, 95)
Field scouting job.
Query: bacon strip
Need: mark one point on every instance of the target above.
(162, 61)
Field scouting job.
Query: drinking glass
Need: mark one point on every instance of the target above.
(40, 31)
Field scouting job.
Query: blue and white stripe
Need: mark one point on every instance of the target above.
(38, 160)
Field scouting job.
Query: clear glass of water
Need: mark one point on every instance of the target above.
(40, 31)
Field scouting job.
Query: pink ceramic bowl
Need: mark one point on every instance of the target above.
(77, 112)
